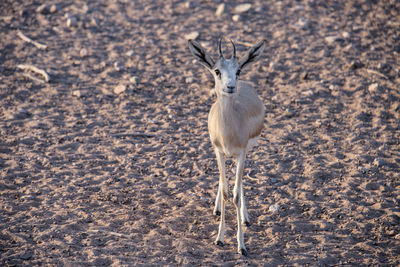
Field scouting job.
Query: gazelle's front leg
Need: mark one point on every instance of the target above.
(238, 200)
(222, 196)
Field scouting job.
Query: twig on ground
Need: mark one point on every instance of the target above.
(29, 40)
(35, 69)
(252, 178)
(33, 78)
(376, 73)
(110, 233)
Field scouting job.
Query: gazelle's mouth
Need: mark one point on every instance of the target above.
(229, 91)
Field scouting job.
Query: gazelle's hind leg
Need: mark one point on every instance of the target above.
(221, 197)
(243, 209)
(218, 201)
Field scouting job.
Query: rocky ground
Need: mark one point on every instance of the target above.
(104, 151)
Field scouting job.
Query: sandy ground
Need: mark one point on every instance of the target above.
(109, 163)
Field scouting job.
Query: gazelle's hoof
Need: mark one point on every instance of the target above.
(217, 212)
(243, 251)
(219, 243)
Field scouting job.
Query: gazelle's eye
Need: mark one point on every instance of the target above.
(238, 73)
(217, 72)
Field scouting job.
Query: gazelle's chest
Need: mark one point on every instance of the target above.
(228, 132)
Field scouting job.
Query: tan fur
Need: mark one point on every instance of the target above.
(233, 120)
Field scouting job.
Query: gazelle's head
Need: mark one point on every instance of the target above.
(226, 71)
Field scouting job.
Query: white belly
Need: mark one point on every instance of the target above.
(234, 151)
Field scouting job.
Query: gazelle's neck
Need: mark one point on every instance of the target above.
(225, 101)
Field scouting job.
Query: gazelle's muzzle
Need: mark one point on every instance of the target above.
(230, 89)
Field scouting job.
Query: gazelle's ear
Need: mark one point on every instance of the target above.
(201, 55)
(253, 54)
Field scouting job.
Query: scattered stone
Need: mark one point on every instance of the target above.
(192, 36)
(308, 93)
(71, 20)
(236, 18)
(134, 80)
(384, 68)
(220, 10)
(318, 123)
(192, 4)
(119, 66)
(289, 112)
(304, 75)
(348, 47)
(331, 39)
(379, 162)
(94, 22)
(43, 9)
(53, 8)
(83, 52)
(189, 80)
(373, 88)
(242, 8)
(274, 208)
(119, 89)
(355, 65)
(22, 13)
(345, 35)
(130, 53)
(302, 24)
(77, 93)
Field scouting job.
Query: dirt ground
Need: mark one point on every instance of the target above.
(110, 163)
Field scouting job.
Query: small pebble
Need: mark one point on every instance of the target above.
(236, 18)
(189, 80)
(242, 8)
(304, 75)
(130, 53)
(94, 22)
(302, 23)
(379, 162)
(373, 88)
(192, 36)
(308, 93)
(119, 89)
(119, 66)
(53, 8)
(220, 10)
(331, 39)
(355, 65)
(76, 93)
(289, 112)
(274, 208)
(83, 52)
(134, 80)
(71, 22)
(345, 35)
(43, 9)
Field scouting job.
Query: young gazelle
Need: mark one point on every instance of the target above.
(234, 124)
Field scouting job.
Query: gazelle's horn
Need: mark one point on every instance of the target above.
(234, 50)
(219, 48)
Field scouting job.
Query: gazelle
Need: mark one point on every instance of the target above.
(234, 124)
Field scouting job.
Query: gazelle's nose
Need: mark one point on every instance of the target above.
(231, 89)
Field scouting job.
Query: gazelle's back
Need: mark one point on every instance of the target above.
(232, 127)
